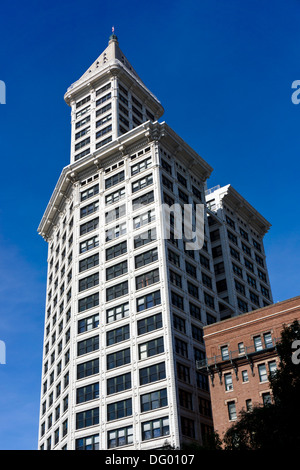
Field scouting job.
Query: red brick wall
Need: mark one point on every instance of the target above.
(239, 329)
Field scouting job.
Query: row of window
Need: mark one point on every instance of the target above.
(260, 342)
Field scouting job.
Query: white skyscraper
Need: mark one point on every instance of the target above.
(125, 306)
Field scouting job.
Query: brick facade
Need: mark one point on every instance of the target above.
(241, 352)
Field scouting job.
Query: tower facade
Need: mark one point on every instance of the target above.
(236, 234)
(126, 305)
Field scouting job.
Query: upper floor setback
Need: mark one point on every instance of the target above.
(222, 200)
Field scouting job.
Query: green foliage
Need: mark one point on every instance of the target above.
(275, 426)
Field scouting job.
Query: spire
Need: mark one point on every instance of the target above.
(113, 37)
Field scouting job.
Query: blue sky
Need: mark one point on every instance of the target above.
(223, 70)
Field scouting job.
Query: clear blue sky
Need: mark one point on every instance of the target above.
(223, 71)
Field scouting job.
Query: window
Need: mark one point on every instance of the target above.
(243, 306)
(228, 382)
(183, 372)
(241, 348)
(119, 409)
(249, 405)
(234, 253)
(246, 249)
(116, 270)
(88, 302)
(117, 335)
(144, 219)
(88, 282)
(197, 333)
(140, 166)
(202, 381)
(262, 275)
(89, 323)
(245, 377)
(89, 192)
(116, 250)
(272, 367)
(181, 347)
(83, 101)
(237, 270)
(87, 393)
(143, 200)
(251, 281)
(257, 245)
(154, 400)
(149, 324)
(181, 180)
(89, 226)
(187, 427)
(209, 300)
(115, 232)
(175, 279)
(177, 300)
(89, 209)
(206, 280)
(204, 261)
(89, 262)
(117, 291)
(257, 343)
(119, 383)
(262, 372)
(152, 373)
(266, 399)
(88, 443)
(191, 269)
(155, 428)
(183, 196)
(89, 244)
(179, 323)
(232, 237)
(254, 298)
(144, 238)
(117, 313)
(147, 279)
(230, 222)
(259, 260)
(117, 359)
(142, 183)
(87, 418)
(146, 258)
(244, 234)
(167, 183)
(88, 345)
(249, 265)
(265, 292)
(151, 348)
(115, 196)
(185, 399)
(224, 353)
(115, 214)
(103, 110)
(148, 301)
(166, 166)
(195, 311)
(115, 179)
(231, 410)
(240, 287)
(120, 437)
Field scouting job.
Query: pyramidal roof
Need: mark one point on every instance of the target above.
(111, 57)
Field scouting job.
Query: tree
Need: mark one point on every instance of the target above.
(273, 426)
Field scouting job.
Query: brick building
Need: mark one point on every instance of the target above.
(241, 352)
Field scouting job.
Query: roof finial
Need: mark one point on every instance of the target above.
(113, 37)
